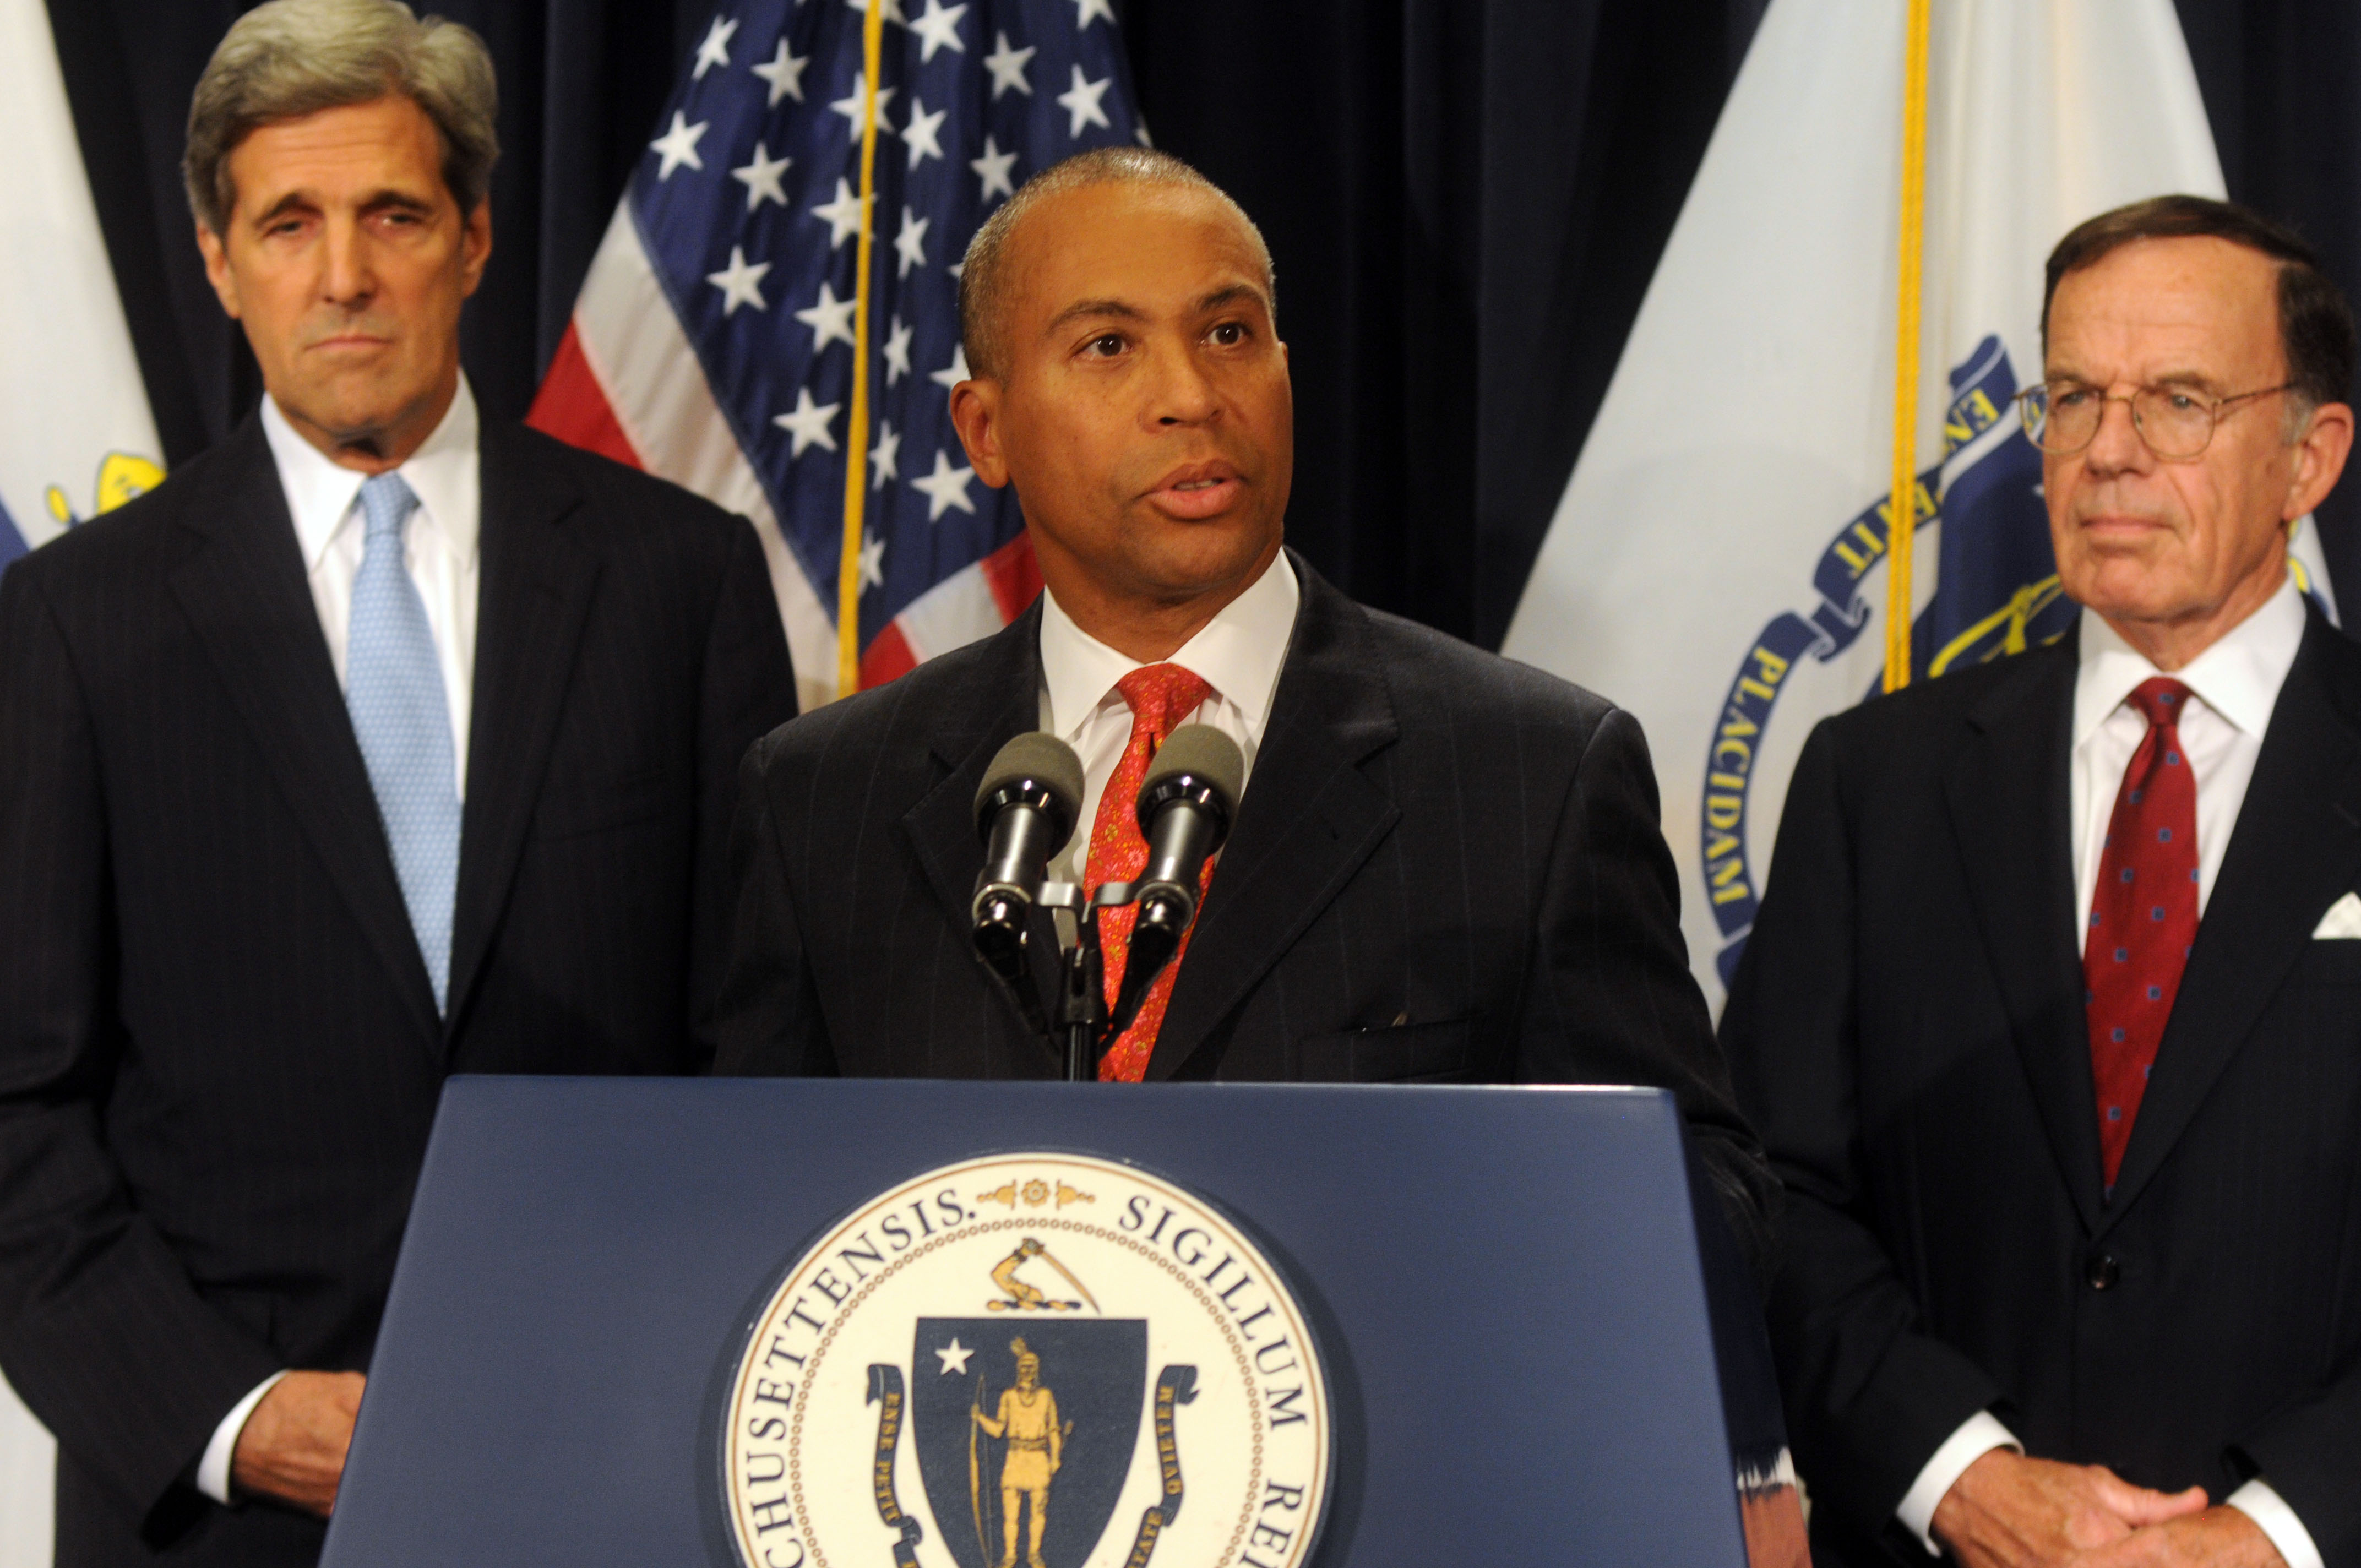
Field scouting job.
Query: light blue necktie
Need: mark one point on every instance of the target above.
(393, 688)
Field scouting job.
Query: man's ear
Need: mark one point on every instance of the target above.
(2321, 451)
(475, 246)
(976, 414)
(218, 272)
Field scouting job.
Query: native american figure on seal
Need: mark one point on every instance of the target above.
(1028, 1424)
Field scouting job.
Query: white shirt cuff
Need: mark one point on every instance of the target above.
(212, 1469)
(1977, 1436)
(2269, 1511)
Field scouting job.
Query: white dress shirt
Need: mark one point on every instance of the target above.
(2234, 684)
(439, 547)
(1239, 653)
(439, 544)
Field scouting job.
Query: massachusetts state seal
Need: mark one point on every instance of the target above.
(1028, 1361)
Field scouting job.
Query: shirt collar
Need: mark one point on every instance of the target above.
(2238, 677)
(321, 492)
(1239, 653)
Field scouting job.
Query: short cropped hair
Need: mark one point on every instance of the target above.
(2316, 331)
(293, 57)
(983, 275)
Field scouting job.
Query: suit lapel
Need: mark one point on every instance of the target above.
(533, 597)
(2296, 846)
(1309, 819)
(965, 726)
(2008, 800)
(247, 598)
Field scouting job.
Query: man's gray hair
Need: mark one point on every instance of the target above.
(293, 57)
(983, 275)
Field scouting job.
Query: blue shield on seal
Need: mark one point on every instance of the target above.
(1092, 1372)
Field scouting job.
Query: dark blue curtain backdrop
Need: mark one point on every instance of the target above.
(1465, 198)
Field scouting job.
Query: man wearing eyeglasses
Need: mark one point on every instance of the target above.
(2051, 1022)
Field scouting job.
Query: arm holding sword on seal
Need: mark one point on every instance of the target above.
(1024, 1298)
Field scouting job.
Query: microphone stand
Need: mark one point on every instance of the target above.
(1081, 1028)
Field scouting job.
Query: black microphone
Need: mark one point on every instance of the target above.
(1025, 812)
(1187, 802)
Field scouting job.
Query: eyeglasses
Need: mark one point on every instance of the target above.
(2063, 417)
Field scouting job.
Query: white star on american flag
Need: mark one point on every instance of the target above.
(785, 73)
(918, 132)
(910, 242)
(761, 178)
(994, 167)
(1007, 68)
(715, 49)
(808, 424)
(831, 319)
(851, 104)
(740, 282)
(678, 145)
(1081, 101)
(945, 488)
(843, 214)
(939, 29)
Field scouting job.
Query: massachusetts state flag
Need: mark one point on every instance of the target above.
(75, 440)
(1719, 562)
(715, 340)
(75, 436)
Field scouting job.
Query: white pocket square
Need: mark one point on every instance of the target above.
(2342, 920)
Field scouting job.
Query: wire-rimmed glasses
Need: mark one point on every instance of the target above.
(2063, 417)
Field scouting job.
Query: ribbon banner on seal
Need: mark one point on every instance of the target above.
(1174, 1386)
(885, 1393)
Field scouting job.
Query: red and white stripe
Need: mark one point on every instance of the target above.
(972, 603)
(626, 384)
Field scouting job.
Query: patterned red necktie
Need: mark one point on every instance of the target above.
(2143, 917)
(1161, 697)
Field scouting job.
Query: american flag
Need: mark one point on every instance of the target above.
(716, 338)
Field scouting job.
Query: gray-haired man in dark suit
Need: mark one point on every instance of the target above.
(381, 743)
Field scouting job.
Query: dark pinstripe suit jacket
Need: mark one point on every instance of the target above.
(1446, 869)
(219, 1052)
(1908, 1026)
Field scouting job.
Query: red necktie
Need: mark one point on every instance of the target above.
(1160, 696)
(2143, 917)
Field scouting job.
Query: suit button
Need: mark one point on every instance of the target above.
(2103, 1272)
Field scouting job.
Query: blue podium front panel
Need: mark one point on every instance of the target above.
(1512, 1358)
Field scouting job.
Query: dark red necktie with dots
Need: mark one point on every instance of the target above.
(1161, 697)
(2143, 917)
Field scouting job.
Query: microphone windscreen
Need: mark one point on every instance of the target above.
(1204, 753)
(1041, 757)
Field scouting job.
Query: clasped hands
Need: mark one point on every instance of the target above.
(2009, 1511)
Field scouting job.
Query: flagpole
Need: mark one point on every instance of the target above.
(1902, 510)
(856, 461)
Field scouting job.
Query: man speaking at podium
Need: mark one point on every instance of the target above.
(1444, 868)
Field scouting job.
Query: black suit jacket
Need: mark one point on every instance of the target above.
(1907, 1029)
(1446, 868)
(219, 1049)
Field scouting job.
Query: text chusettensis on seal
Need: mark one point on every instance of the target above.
(1028, 1361)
